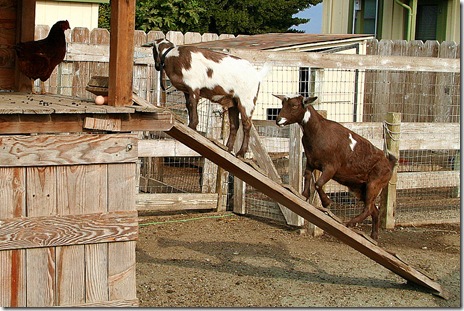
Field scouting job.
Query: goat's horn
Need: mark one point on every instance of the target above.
(281, 97)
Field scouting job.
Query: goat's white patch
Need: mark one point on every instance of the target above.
(237, 76)
(172, 53)
(282, 121)
(292, 96)
(217, 97)
(306, 117)
(353, 142)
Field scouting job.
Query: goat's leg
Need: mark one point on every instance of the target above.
(191, 102)
(308, 176)
(246, 124)
(245, 114)
(372, 191)
(233, 127)
(326, 174)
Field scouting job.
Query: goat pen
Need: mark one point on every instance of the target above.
(425, 90)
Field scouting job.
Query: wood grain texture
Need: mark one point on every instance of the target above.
(58, 230)
(175, 201)
(67, 149)
(40, 272)
(12, 262)
(121, 197)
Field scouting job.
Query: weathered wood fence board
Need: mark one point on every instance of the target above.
(68, 223)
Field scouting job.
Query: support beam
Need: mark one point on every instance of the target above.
(277, 192)
(121, 52)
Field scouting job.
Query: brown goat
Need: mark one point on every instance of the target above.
(341, 155)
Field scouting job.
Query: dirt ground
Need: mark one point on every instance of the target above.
(225, 260)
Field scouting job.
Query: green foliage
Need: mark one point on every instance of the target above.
(216, 16)
(168, 15)
(104, 14)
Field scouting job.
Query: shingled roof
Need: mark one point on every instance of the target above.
(279, 41)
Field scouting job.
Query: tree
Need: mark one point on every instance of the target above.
(216, 16)
(255, 16)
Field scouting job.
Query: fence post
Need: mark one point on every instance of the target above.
(314, 199)
(392, 128)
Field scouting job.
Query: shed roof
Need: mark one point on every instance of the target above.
(281, 41)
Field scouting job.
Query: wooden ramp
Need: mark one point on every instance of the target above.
(293, 202)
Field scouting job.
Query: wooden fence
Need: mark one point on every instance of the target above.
(391, 81)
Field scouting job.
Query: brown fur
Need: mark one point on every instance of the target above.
(364, 170)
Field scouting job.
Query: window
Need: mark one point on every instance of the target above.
(426, 22)
(272, 113)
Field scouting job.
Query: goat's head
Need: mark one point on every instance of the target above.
(159, 46)
(294, 109)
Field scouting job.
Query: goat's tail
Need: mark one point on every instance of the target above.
(264, 70)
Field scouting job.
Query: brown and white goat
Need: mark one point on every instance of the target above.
(340, 154)
(224, 79)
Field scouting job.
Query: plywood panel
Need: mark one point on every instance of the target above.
(121, 196)
(96, 255)
(67, 149)
(12, 262)
(40, 271)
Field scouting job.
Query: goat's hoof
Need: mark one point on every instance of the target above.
(350, 224)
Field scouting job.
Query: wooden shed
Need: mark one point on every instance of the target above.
(68, 221)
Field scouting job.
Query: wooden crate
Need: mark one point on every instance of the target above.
(68, 219)
(68, 222)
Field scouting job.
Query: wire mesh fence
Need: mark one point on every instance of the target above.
(428, 177)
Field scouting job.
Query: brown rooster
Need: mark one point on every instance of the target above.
(37, 59)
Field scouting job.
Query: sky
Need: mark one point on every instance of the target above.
(314, 13)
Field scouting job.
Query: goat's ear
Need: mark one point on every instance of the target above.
(148, 44)
(309, 101)
(281, 97)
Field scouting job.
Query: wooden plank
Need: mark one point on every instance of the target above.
(41, 264)
(104, 303)
(12, 262)
(434, 136)
(275, 191)
(121, 197)
(121, 53)
(436, 179)
(67, 149)
(70, 259)
(164, 148)
(95, 195)
(102, 124)
(59, 230)
(131, 122)
(175, 201)
(62, 123)
(351, 61)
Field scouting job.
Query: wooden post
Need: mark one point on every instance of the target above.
(295, 169)
(222, 185)
(388, 197)
(314, 199)
(121, 53)
(239, 185)
(457, 167)
(26, 30)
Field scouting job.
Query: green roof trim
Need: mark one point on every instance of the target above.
(84, 1)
